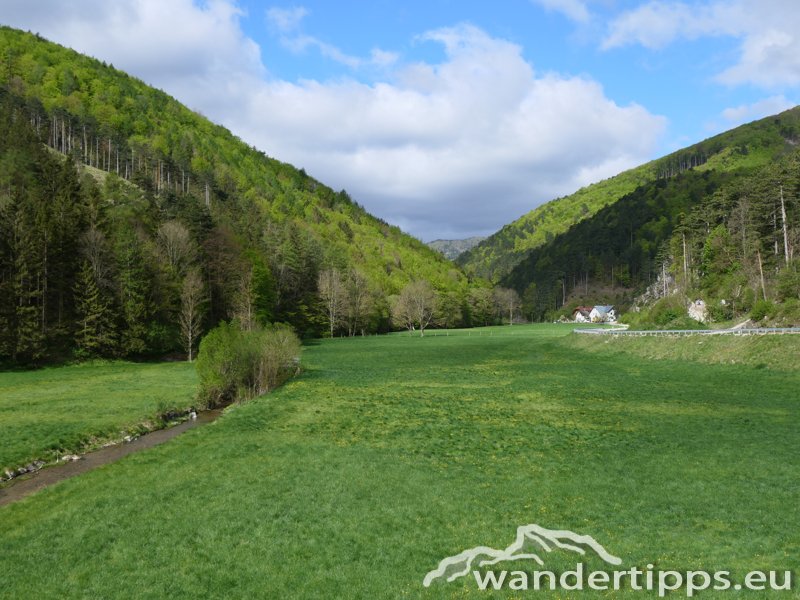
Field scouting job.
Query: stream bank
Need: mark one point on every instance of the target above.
(44, 475)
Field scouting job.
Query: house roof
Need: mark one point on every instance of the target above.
(585, 309)
(603, 309)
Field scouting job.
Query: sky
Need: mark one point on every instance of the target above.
(450, 118)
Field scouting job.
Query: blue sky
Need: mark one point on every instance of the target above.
(450, 118)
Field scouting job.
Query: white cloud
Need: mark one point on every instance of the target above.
(657, 24)
(572, 9)
(199, 62)
(750, 112)
(286, 19)
(377, 58)
(769, 30)
(443, 149)
(458, 147)
(770, 58)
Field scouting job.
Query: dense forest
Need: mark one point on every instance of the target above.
(747, 147)
(725, 237)
(130, 225)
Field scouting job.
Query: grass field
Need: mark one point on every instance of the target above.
(390, 453)
(65, 408)
(759, 351)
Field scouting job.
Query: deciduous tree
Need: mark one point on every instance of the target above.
(332, 292)
(508, 303)
(415, 307)
(191, 316)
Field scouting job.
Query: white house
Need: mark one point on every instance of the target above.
(581, 314)
(603, 314)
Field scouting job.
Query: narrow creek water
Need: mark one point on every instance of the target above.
(21, 487)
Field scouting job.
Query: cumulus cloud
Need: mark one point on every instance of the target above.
(769, 30)
(763, 108)
(770, 58)
(458, 147)
(657, 24)
(161, 39)
(572, 9)
(198, 54)
(443, 149)
(286, 19)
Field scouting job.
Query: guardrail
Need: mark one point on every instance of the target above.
(683, 332)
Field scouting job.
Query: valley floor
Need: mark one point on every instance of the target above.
(58, 410)
(391, 453)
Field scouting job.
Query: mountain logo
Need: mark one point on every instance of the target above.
(530, 542)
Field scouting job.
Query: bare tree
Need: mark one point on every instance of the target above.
(358, 302)
(415, 307)
(191, 315)
(177, 245)
(787, 249)
(95, 249)
(332, 291)
(508, 302)
(244, 301)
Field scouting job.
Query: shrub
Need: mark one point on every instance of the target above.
(763, 309)
(666, 313)
(666, 310)
(718, 312)
(789, 281)
(237, 365)
(789, 313)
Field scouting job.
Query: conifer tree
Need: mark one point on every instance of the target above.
(134, 300)
(95, 333)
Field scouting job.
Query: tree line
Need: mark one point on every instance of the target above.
(97, 266)
(418, 305)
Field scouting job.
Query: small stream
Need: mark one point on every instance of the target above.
(23, 486)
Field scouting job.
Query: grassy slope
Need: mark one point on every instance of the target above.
(393, 452)
(746, 147)
(761, 351)
(63, 408)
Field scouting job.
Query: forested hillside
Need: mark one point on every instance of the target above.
(746, 147)
(724, 231)
(129, 223)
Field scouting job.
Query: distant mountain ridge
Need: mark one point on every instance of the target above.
(454, 248)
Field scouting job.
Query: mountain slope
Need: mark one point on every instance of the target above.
(724, 232)
(126, 118)
(748, 146)
(258, 230)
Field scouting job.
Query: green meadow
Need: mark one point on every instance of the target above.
(391, 453)
(60, 410)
